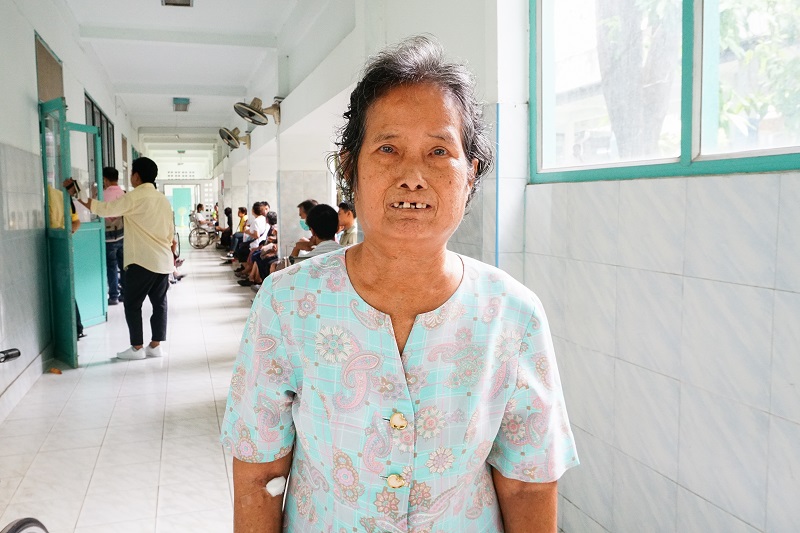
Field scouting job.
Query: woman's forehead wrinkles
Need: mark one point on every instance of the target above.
(443, 135)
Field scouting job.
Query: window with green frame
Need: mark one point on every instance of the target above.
(96, 117)
(625, 89)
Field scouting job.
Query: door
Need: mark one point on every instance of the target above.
(56, 166)
(55, 141)
(181, 205)
(89, 243)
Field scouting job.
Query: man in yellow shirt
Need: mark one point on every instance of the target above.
(149, 229)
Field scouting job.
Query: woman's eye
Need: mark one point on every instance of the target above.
(386, 149)
(439, 151)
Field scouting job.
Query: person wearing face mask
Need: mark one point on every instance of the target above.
(302, 210)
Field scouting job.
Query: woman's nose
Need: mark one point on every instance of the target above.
(412, 176)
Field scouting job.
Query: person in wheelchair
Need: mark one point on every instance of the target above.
(203, 231)
(201, 221)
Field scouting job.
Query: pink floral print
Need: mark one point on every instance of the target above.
(319, 376)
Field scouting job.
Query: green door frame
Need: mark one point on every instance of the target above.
(60, 261)
(90, 242)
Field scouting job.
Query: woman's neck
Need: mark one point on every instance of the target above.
(384, 276)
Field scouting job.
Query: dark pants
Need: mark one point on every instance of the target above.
(264, 264)
(114, 272)
(78, 320)
(225, 238)
(141, 283)
(243, 252)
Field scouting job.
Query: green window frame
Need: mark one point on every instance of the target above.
(690, 162)
(96, 117)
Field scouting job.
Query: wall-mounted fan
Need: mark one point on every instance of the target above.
(255, 114)
(232, 138)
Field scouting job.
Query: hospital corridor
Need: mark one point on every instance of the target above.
(133, 446)
(384, 266)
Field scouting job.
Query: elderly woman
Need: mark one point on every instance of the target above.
(404, 387)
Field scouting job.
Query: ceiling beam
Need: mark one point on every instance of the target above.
(173, 145)
(234, 91)
(95, 33)
(211, 132)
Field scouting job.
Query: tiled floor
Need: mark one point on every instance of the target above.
(132, 447)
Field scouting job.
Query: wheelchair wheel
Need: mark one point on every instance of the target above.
(25, 525)
(199, 238)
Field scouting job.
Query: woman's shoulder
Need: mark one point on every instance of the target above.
(488, 282)
(325, 272)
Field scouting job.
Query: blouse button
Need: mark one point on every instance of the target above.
(395, 481)
(398, 421)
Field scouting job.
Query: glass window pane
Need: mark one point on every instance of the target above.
(112, 156)
(610, 81)
(88, 106)
(751, 68)
(104, 140)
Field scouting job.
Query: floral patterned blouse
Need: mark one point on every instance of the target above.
(390, 442)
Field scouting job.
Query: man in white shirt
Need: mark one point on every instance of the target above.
(149, 230)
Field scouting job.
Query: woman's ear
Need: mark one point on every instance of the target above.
(475, 164)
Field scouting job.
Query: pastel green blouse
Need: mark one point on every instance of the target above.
(385, 442)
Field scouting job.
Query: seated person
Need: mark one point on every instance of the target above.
(201, 220)
(323, 221)
(266, 255)
(256, 232)
(176, 261)
(238, 236)
(227, 231)
(56, 215)
(303, 208)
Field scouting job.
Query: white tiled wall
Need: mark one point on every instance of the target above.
(24, 290)
(675, 306)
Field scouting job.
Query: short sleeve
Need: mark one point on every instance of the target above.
(258, 425)
(535, 441)
(115, 208)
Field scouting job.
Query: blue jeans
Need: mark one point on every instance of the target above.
(236, 240)
(114, 271)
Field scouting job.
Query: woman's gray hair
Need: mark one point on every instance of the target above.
(415, 60)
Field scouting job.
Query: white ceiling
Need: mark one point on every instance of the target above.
(257, 17)
(208, 53)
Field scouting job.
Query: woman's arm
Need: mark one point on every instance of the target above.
(254, 510)
(526, 507)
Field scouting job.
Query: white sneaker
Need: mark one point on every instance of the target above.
(131, 353)
(153, 352)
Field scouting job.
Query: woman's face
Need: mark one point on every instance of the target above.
(413, 174)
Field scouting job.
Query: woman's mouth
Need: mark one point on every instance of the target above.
(410, 205)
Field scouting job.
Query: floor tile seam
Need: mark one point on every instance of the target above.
(215, 509)
(27, 469)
